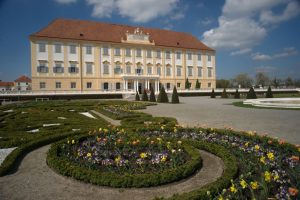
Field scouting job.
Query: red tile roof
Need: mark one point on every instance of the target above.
(23, 79)
(104, 32)
(6, 84)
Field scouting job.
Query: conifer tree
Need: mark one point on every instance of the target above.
(213, 95)
(237, 94)
(269, 93)
(224, 94)
(145, 96)
(251, 94)
(162, 96)
(137, 96)
(197, 84)
(175, 98)
(152, 95)
(187, 84)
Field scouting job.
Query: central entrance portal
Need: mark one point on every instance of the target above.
(140, 88)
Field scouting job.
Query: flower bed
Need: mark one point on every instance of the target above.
(113, 158)
(267, 168)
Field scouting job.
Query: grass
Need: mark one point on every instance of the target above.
(240, 104)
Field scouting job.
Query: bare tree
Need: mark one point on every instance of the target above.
(275, 82)
(243, 80)
(261, 79)
(289, 82)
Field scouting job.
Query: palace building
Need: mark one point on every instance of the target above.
(77, 55)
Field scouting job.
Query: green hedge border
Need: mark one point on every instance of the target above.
(15, 157)
(68, 168)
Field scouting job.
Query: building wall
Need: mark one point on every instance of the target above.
(97, 60)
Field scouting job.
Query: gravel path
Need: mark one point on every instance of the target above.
(35, 180)
(108, 119)
(219, 113)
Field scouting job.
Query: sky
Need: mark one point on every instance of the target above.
(249, 36)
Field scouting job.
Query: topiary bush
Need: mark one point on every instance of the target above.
(197, 87)
(237, 94)
(269, 93)
(187, 84)
(251, 94)
(175, 98)
(162, 96)
(213, 95)
(137, 96)
(152, 95)
(224, 94)
(145, 96)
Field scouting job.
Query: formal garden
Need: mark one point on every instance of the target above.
(146, 151)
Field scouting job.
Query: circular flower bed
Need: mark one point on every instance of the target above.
(113, 158)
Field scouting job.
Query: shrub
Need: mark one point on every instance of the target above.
(175, 98)
(237, 94)
(152, 95)
(213, 95)
(137, 96)
(145, 96)
(197, 84)
(162, 96)
(251, 94)
(187, 84)
(224, 94)
(269, 93)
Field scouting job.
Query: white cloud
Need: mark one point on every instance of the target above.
(136, 10)
(265, 69)
(285, 53)
(291, 11)
(241, 52)
(65, 1)
(206, 21)
(243, 23)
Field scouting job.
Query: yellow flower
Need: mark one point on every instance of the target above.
(73, 141)
(162, 127)
(267, 176)
(254, 185)
(143, 155)
(299, 149)
(220, 198)
(175, 130)
(89, 155)
(270, 156)
(179, 142)
(246, 144)
(243, 183)
(263, 160)
(100, 129)
(68, 141)
(233, 189)
(164, 158)
(276, 177)
(117, 159)
(251, 133)
(256, 147)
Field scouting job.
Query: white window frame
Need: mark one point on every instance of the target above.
(138, 52)
(73, 49)
(89, 65)
(57, 85)
(190, 70)
(117, 51)
(149, 53)
(189, 56)
(42, 47)
(178, 55)
(105, 51)
(149, 70)
(168, 54)
(178, 69)
(105, 68)
(88, 50)
(73, 85)
(89, 85)
(168, 70)
(128, 52)
(57, 47)
(199, 71)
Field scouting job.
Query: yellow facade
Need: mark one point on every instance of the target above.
(45, 78)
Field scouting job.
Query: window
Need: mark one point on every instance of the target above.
(209, 72)
(89, 85)
(189, 55)
(199, 71)
(117, 52)
(128, 69)
(139, 71)
(168, 55)
(158, 70)
(42, 85)
(57, 48)
(168, 86)
(105, 51)
(57, 85)
(42, 47)
(118, 69)
(105, 68)
(118, 86)
(89, 68)
(209, 58)
(149, 70)
(149, 54)
(158, 54)
(178, 55)
(58, 68)
(42, 68)
(138, 53)
(209, 85)
(178, 70)
(168, 72)
(178, 85)
(105, 86)
(199, 56)
(73, 67)
(73, 85)
(88, 50)
(72, 49)
(190, 71)
(128, 52)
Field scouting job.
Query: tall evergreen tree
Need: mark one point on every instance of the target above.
(212, 94)
(175, 98)
(162, 96)
(152, 95)
(145, 96)
(224, 94)
(197, 84)
(237, 94)
(251, 94)
(137, 96)
(269, 93)
(187, 84)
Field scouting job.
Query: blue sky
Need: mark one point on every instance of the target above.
(249, 35)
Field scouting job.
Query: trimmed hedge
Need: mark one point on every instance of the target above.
(16, 156)
(68, 168)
